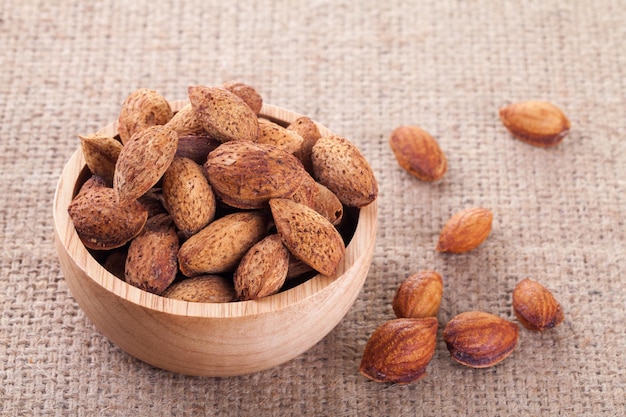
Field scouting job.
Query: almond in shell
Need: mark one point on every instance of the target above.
(313, 194)
(101, 221)
(310, 133)
(308, 235)
(340, 166)
(151, 262)
(143, 161)
(263, 269)
(202, 289)
(141, 109)
(188, 196)
(247, 93)
(223, 114)
(222, 243)
(185, 122)
(247, 175)
(274, 134)
(101, 153)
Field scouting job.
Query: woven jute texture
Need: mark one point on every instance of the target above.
(361, 68)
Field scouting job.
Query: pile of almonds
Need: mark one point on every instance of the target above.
(399, 350)
(215, 203)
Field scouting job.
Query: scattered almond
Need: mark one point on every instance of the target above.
(479, 340)
(418, 153)
(465, 230)
(141, 109)
(400, 350)
(538, 123)
(535, 306)
(419, 295)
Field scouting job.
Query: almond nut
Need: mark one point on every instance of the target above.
(465, 230)
(339, 165)
(310, 133)
(202, 289)
(246, 174)
(101, 153)
(535, 306)
(308, 235)
(419, 295)
(274, 134)
(263, 269)
(143, 161)
(479, 340)
(537, 123)
(141, 109)
(185, 122)
(151, 262)
(399, 350)
(188, 196)
(418, 153)
(101, 221)
(221, 244)
(223, 114)
(247, 93)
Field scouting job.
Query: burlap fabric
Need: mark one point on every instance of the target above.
(362, 69)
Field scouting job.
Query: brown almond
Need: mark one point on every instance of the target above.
(247, 93)
(222, 243)
(141, 109)
(313, 194)
(186, 123)
(101, 153)
(246, 174)
(400, 350)
(308, 235)
(535, 306)
(223, 114)
(339, 165)
(538, 123)
(188, 196)
(274, 134)
(263, 269)
(419, 295)
(418, 153)
(151, 262)
(478, 339)
(202, 289)
(310, 133)
(143, 161)
(101, 221)
(465, 230)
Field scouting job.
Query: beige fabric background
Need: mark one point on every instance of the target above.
(361, 68)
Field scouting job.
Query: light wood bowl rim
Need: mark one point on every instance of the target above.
(356, 250)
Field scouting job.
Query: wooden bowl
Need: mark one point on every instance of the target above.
(209, 339)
